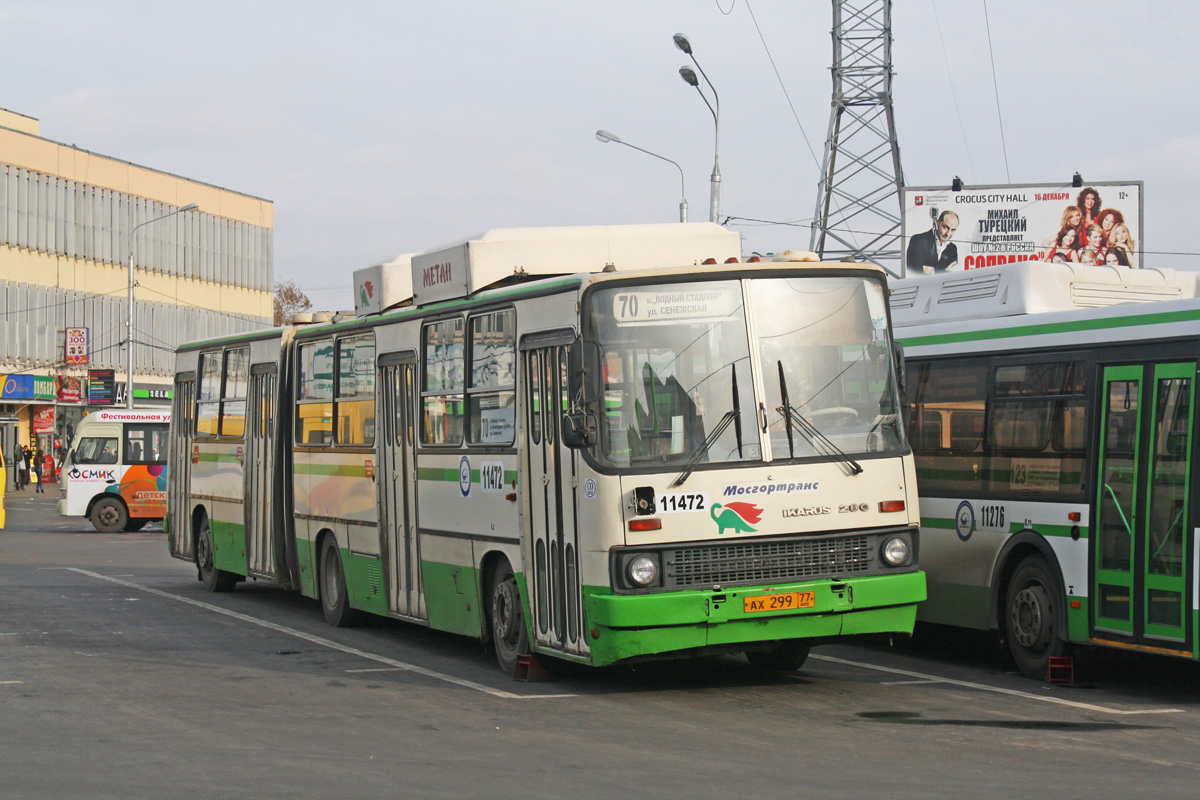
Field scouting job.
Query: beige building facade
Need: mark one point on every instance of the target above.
(71, 223)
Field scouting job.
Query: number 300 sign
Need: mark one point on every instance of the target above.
(77, 346)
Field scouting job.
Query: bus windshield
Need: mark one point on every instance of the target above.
(827, 366)
(679, 372)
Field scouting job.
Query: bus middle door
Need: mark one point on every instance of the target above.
(1139, 586)
(396, 479)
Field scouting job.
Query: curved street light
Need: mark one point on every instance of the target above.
(606, 137)
(689, 77)
(130, 317)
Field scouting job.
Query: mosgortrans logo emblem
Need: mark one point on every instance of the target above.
(740, 517)
(964, 520)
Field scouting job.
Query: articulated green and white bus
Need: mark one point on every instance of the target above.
(1051, 413)
(591, 444)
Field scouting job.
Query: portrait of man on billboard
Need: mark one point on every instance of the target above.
(934, 251)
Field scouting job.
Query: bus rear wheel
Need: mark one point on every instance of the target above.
(335, 603)
(1032, 610)
(509, 636)
(215, 580)
(109, 515)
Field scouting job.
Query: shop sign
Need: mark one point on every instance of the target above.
(17, 387)
(43, 419)
(45, 387)
(101, 387)
(70, 389)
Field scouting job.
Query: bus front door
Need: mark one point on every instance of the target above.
(552, 552)
(1140, 594)
(179, 469)
(397, 488)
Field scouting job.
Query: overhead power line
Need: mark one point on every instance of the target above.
(996, 87)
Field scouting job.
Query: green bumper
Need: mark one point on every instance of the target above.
(629, 626)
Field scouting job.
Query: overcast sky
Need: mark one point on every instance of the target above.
(390, 127)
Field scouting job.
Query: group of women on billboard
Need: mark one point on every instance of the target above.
(1091, 234)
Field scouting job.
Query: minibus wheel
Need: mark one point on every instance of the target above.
(109, 515)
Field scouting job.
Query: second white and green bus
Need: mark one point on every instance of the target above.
(1051, 411)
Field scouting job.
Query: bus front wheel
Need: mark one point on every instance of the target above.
(109, 515)
(1032, 611)
(508, 619)
(215, 580)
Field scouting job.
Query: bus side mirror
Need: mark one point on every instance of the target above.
(575, 371)
(579, 427)
(901, 375)
(579, 430)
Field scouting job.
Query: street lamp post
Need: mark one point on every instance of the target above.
(681, 41)
(605, 136)
(129, 327)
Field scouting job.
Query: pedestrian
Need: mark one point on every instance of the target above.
(38, 468)
(18, 460)
(26, 459)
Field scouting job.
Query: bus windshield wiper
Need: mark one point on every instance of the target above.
(819, 441)
(734, 415)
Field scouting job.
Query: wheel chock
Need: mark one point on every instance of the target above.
(1061, 670)
(530, 671)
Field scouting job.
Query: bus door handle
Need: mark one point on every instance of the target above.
(762, 416)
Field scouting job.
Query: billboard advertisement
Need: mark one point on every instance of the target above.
(76, 353)
(101, 387)
(982, 226)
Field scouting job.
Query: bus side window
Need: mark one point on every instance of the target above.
(929, 431)
(314, 393)
(442, 382)
(491, 395)
(355, 401)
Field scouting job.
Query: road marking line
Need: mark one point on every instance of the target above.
(10, 683)
(908, 683)
(375, 669)
(997, 689)
(317, 640)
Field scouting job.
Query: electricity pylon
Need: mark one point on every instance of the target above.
(859, 195)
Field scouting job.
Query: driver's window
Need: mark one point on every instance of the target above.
(97, 450)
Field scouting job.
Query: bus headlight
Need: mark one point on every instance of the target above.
(895, 551)
(642, 570)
